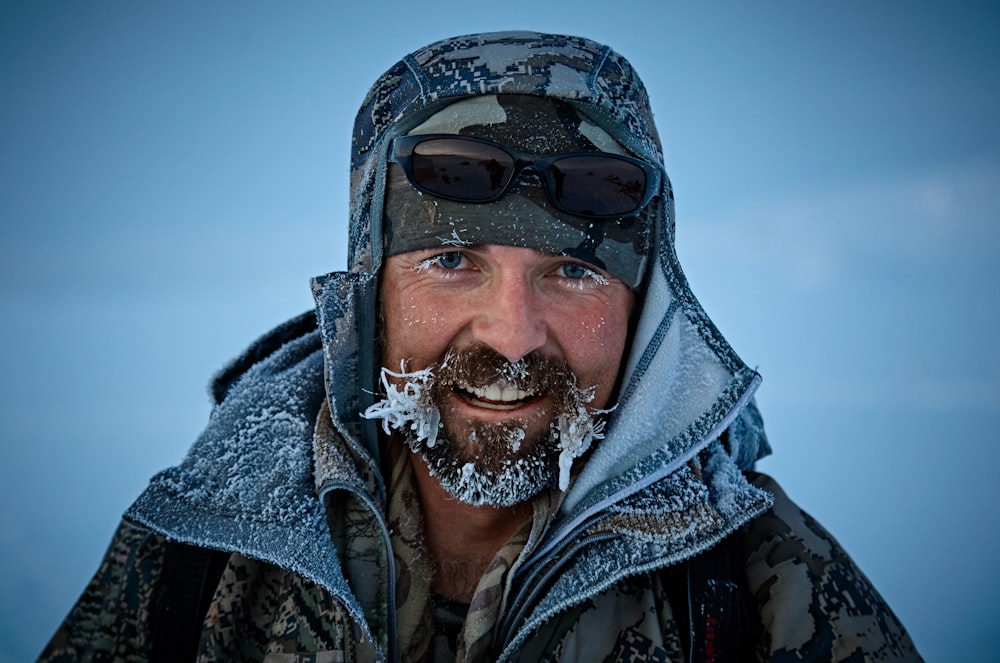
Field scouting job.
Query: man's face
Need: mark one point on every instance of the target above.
(521, 304)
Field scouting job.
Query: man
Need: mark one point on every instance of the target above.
(509, 432)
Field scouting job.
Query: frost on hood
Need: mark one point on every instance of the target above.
(247, 483)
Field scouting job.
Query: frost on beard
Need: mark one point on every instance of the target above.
(407, 408)
(497, 478)
(576, 431)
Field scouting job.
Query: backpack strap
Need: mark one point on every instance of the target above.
(709, 607)
(187, 582)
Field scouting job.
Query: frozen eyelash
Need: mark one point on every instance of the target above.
(431, 263)
(426, 264)
(592, 276)
(601, 279)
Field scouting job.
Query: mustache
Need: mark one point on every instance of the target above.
(481, 366)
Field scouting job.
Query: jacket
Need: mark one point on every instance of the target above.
(289, 480)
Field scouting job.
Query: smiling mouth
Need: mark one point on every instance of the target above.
(495, 396)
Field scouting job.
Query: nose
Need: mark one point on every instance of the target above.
(510, 319)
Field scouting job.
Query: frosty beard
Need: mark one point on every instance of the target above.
(490, 464)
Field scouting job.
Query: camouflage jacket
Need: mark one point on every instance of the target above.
(807, 602)
(605, 591)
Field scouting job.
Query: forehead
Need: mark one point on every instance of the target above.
(536, 125)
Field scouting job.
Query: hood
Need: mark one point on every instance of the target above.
(682, 384)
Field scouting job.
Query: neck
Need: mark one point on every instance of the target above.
(463, 538)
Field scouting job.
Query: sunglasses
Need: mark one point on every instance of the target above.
(475, 170)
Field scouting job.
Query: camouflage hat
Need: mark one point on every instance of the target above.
(524, 216)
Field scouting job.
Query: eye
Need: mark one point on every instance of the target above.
(450, 260)
(446, 262)
(573, 270)
(578, 275)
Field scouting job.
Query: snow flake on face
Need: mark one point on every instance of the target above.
(454, 240)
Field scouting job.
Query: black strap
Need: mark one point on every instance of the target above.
(708, 607)
(187, 582)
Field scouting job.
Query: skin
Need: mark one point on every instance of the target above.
(515, 300)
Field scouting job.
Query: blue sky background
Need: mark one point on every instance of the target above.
(171, 175)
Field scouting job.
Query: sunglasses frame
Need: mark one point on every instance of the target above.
(402, 149)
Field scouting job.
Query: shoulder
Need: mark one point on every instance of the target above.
(252, 463)
(786, 522)
(109, 618)
(301, 327)
(810, 599)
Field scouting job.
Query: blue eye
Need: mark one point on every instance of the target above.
(572, 270)
(452, 260)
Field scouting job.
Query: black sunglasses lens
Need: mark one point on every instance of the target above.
(476, 172)
(597, 185)
(461, 169)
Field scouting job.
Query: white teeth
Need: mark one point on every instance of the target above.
(497, 393)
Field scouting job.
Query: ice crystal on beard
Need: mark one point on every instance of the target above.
(514, 438)
(576, 432)
(410, 410)
(407, 407)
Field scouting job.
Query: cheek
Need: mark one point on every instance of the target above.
(412, 330)
(595, 346)
(591, 343)
(602, 329)
(412, 315)
(594, 331)
(600, 343)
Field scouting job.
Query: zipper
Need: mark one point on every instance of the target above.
(517, 616)
(390, 595)
(560, 543)
(531, 585)
(579, 521)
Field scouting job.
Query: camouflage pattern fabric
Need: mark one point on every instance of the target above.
(110, 621)
(259, 612)
(262, 613)
(414, 567)
(813, 604)
(557, 66)
(629, 622)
